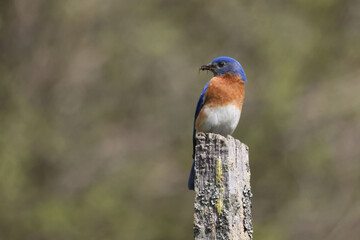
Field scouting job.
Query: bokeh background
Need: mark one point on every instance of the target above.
(96, 111)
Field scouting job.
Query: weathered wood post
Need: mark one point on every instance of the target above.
(222, 189)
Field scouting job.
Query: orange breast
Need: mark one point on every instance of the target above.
(224, 90)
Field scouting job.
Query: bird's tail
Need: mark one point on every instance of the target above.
(192, 177)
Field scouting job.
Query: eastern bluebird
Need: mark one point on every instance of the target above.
(219, 107)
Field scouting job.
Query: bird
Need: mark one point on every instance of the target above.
(219, 107)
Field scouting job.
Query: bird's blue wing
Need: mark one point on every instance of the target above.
(201, 101)
(199, 106)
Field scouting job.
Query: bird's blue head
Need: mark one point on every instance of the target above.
(225, 65)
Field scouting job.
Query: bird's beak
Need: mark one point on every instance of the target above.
(207, 67)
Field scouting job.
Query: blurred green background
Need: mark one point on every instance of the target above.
(96, 111)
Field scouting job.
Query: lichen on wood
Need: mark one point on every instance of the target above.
(222, 189)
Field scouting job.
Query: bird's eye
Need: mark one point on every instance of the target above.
(221, 64)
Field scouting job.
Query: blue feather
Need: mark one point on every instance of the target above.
(232, 66)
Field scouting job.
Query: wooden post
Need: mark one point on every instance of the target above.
(222, 189)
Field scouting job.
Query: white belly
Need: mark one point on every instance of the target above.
(220, 120)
